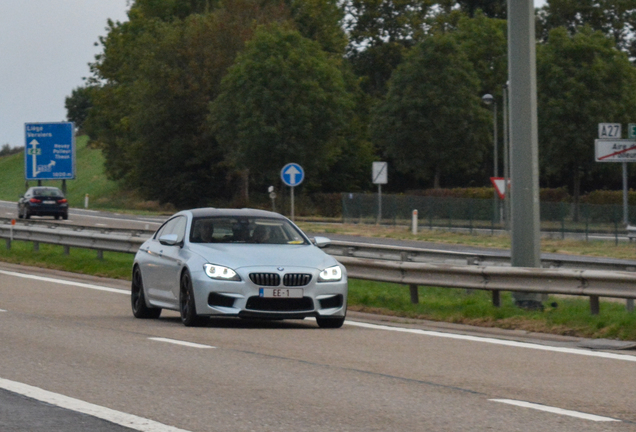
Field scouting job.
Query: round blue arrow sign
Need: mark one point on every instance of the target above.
(292, 174)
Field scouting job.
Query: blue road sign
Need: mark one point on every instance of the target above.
(292, 174)
(50, 151)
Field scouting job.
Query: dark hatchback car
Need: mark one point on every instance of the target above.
(43, 201)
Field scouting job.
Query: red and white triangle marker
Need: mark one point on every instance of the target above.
(499, 184)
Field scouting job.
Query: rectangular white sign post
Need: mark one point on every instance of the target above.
(617, 150)
(379, 176)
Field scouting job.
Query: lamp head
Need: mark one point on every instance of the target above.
(487, 99)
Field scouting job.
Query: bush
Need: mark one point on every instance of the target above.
(608, 197)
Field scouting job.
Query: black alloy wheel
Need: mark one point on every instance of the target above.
(187, 308)
(138, 298)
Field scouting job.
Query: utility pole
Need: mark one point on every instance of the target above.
(525, 234)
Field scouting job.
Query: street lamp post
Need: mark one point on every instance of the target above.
(489, 99)
(506, 157)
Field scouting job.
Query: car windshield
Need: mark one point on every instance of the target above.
(43, 192)
(233, 229)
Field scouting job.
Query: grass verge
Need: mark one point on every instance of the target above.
(595, 248)
(114, 265)
(572, 316)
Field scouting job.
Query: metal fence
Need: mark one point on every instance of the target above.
(467, 213)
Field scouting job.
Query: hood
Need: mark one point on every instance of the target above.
(237, 255)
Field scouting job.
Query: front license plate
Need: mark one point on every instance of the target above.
(280, 292)
(48, 202)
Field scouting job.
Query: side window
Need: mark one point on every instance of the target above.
(173, 226)
(166, 228)
(179, 228)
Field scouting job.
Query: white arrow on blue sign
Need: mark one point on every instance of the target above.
(292, 174)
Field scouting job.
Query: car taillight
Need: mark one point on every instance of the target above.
(35, 200)
(62, 201)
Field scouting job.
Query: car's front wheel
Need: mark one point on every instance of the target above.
(330, 322)
(20, 215)
(187, 306)
(138, 298)
(26, 213)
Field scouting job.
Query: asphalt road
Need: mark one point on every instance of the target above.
(70, 346)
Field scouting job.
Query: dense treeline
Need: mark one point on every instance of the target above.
(196, 102)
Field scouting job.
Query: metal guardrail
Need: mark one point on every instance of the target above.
(67, 226)
(407, 266)
(411, 254)
(126, 242)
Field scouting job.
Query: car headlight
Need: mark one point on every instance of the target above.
(330, 274)
(220, 272)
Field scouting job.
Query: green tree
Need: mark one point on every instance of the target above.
(583, 80)
(380, 33)
(484, 41)
(614, 18)
(157, 78)
(490, 8)
(283, 100)
(431, 122)
(77, 105)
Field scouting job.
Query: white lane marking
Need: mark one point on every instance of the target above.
(66, 282)
(493, 341)
(98, 224)
(178, 342)
(117, 417)
(555, 410)
(2, 310)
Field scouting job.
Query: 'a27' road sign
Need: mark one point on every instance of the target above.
(292, 174)
(50, 151)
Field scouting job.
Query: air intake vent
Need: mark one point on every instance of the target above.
(265, 279)
(296, 279)
(280, 305)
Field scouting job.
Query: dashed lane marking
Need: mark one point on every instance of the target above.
(555, 410)
(178, 342)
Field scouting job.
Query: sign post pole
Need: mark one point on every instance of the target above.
(292, 202)
(379, 205)
(625, 197)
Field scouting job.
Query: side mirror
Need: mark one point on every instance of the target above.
(321, 242)
(169, 239)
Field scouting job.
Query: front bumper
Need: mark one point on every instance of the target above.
(241, 298)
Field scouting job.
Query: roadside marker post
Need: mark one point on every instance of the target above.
(414, 222)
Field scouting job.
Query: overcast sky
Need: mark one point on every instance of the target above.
(45, 48)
